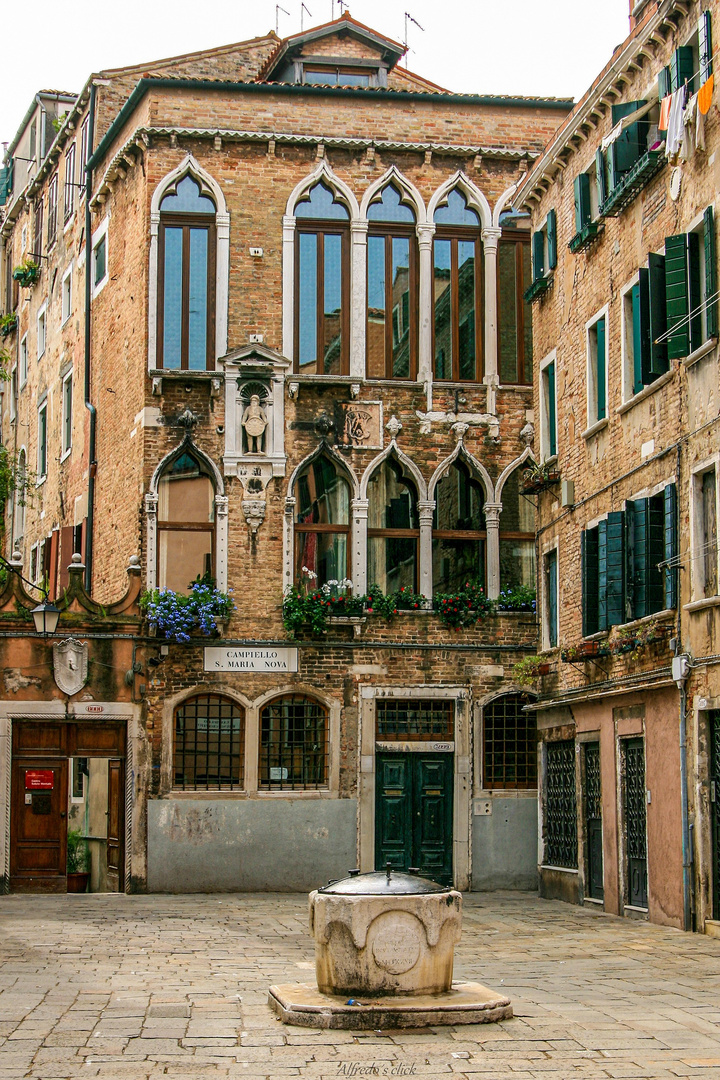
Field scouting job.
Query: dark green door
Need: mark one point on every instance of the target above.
(593, 819)
(413, 814)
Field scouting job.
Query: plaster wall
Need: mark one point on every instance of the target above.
(288, 845)
(504, 845)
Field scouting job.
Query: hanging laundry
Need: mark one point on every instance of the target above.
(664, 112)
(613, 136)
(699, 125)
(687, 145)
(705, 95)
(675, 124)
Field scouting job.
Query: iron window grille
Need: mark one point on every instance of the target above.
(510, 744)
(209, 744)
(412, 720)
(293, 745)
(561, 805)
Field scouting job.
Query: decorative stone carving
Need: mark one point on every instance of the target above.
(393, 427)
(324, 425)
(293, 389)
(527, 435)
(359, 424)
(70, 665)
(459, 430)
(187, 420)
(254, 370)
(255, 422)
(254, 511)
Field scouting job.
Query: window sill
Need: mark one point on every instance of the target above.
(184, 795)
(701, 605)
(660, 615)
(595, 428)
(320, 793)
(560, 869)
(66, 454)
(646, 392)
(179, 373)
(706, 348)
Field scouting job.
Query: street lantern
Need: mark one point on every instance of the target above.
(46, 617)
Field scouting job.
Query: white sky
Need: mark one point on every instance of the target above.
(551, 48)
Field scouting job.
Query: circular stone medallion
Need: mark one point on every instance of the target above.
(396, 947)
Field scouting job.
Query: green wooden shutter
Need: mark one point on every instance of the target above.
(602, 620)
(552, 239)
(711, 310)
(676, 296)
(600, 368)
(613, 173)
(583, 214)
(641, 332)
(655, 553)
(630, 588)
(664, 83)
(631, 143)
(589, 549)
(671, 546)
(658, 315)
(6, 182)
(600, 177)
(615, 580)
(552, 412)
(538, 250)
(552, 610)
(694, 292)
(682, 68)
(705, 46)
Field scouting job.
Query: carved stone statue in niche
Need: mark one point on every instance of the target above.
(255, 422)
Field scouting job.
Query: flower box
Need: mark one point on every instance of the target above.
(535, 483)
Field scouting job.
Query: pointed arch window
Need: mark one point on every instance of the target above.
(393, 529)
(186, 286)
(457, 292)
(459, 531)
(186, 524)
(322, 522)
(517, 535)
(392, 287)
(515, 352)
(322, 275)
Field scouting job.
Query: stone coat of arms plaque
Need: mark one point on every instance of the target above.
(70, 665)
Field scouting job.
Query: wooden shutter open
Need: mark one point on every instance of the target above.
(600, 368)
(552, 239)
(600, 177)
(711, 309)
(552, 417)
(641, 331)
(615, 572)
(538, 255)
(671, 546)
(658, 315)
(705, 46)
(602, 586)
(583, 215)
(590, 589)
(682, 68)
(676, 296)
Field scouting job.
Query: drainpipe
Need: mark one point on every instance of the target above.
(681, 670)
(92, 463)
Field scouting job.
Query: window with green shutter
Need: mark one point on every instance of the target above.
(589, 551)
(538, 254)
(583, 209)
(682, 68)
(676, 296)
(658, 316)
(631, 144)
(551, 230)
(644, 552)
(711, 310)
(705, 51)
(551, 607)
(597, 371)
(600, 176)
(549, 410)
(670, 553)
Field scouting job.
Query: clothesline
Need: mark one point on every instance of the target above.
(687, 319)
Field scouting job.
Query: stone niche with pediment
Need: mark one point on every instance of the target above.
(254, 416)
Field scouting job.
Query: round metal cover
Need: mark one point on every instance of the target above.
(383, 883)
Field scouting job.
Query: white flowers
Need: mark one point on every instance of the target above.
(332, 585)
(309, 573)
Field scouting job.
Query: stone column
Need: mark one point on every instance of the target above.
(358, 557)
(221, 542)
(358, 297)
(151, 505)
(288, 297)
(222, 283)
(426, 509)
(492, 524)
(152, 288)
(490, 239)
(288, 542)
(425, 235)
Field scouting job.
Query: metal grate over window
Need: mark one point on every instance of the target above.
(510, 747)
(560, 805)
(209, 744)
(293, 744)
(415, 720)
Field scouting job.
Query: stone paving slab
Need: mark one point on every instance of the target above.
(143, 987)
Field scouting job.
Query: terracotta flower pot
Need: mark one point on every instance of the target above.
(77, 883)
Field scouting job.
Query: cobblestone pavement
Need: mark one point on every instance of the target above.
(148, 986)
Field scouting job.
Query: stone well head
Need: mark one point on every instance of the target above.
(384, 933)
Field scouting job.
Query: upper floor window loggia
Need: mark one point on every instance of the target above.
(457, 291)
(322, 275)
(186, 286)
(392, 288)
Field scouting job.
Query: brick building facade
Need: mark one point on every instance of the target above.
(623, 205)
(278, 323)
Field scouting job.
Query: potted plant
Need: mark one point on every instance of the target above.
(177, 615)
(539, 477)
(27, 273)
(8, 324)
(528, 670)
(78, 858)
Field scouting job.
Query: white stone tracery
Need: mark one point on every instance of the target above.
(211, 188)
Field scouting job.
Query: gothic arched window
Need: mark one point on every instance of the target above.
(457, 291)
(322, 290)
(185, 523)
(393, 529)
(459, 532)
(517, 535)
(322, 522)
(391, 288)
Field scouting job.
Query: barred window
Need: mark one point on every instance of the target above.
(510, 748)
(415, 720)
(209, 744)
(293, 744)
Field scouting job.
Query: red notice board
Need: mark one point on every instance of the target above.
(39, 779)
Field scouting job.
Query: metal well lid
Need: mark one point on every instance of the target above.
(387, 882)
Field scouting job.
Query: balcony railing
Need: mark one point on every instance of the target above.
(633, 182)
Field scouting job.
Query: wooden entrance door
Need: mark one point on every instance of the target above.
(636, 823)
(116, 826)
(38, 815)
(414, 813)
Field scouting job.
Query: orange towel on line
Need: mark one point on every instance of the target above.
(705, 94)
(665, 112)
